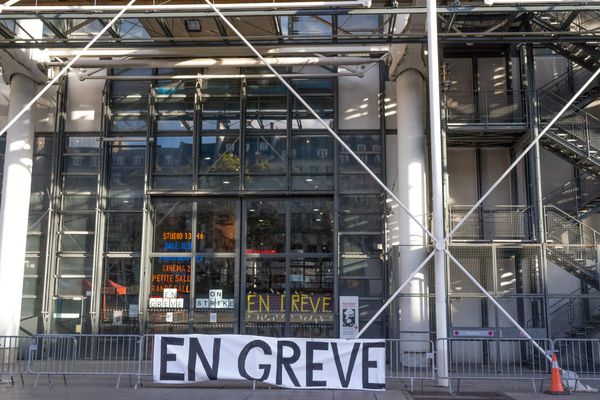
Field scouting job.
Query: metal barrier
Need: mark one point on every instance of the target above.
(13, 356)
(496, 358)
(114, 355)
(581, 356)
(146, 355)
(410, 359)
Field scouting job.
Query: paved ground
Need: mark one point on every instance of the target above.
(85, 388)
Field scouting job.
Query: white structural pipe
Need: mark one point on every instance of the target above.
(492, 2)
(27, 107)
(321, 121)
(209, 77)
(411, 187)
(523, 154)
(437, 192)
(9, 3)
(199, 7)
(14, 211)
(219, 62)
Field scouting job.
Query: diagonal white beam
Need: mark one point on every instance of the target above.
(396, 293)
(502, 310)
(523, 154)
(66, 67)
(314, 113)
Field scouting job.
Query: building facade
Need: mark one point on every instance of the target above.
(177, 186)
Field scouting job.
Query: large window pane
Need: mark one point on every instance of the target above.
(266, 227)
(124, 232)
(216, 226)
(265, 297)
(173, 226)
(219, 162)
(126, 175)
(312, 226)
(120, 295)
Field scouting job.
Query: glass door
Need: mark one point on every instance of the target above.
(193, 266)
(288, 261)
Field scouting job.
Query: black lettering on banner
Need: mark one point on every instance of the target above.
(197, 351)
(345, 380)
(311, 366)
(244, 354)
(166, 357)
(287, 362)
(367, 364)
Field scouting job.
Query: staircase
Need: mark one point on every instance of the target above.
(576, 315)
(573, 246)
(578, 197)
(575, 136)
(586, 56)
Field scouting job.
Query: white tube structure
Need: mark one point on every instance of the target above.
(492, 2)
(66, 68)
(14, 210)
(437, 192)
(209, 77)
(314, 113)
(199, 7)
(219, 62)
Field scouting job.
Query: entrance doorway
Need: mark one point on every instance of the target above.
(251, 265)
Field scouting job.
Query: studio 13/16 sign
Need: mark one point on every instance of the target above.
(292, 363)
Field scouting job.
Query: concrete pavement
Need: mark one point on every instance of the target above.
(103, 388)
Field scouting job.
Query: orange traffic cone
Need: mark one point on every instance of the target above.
(556, 385)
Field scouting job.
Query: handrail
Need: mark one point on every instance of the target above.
(571, 218)
(578, 110)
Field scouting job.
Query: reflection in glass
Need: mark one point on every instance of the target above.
(312, 226)
(266, 227)
(120, 291)
(173, 226)
(265, 297)
(216, 226)
(126, 175)
(219, 162)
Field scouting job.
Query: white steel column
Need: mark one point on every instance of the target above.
(14, 211)
(411, 188)
(437, 193)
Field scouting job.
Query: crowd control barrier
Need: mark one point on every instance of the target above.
(13, 357)
(406, 359)
(411, 360)
(64, 355)
(496, 358)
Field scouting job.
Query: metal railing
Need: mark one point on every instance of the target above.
(575, 314)
(64, 355)
(500, 223)
(410, 359)
(576, 197)
(580, 357)
(576, 128)
(487, 107)
(562, 228)
(496, 358)
(566, 84)
(14, 351)
(469, 358)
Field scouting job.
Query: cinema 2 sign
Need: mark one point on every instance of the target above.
(291, 363)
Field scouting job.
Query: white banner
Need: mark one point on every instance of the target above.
(290, 362)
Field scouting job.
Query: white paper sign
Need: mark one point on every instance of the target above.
(292, 363)
(349, 317)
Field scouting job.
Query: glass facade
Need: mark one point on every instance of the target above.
(217, 206)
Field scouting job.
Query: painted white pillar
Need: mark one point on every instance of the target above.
(14, 210)
(411, 188)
